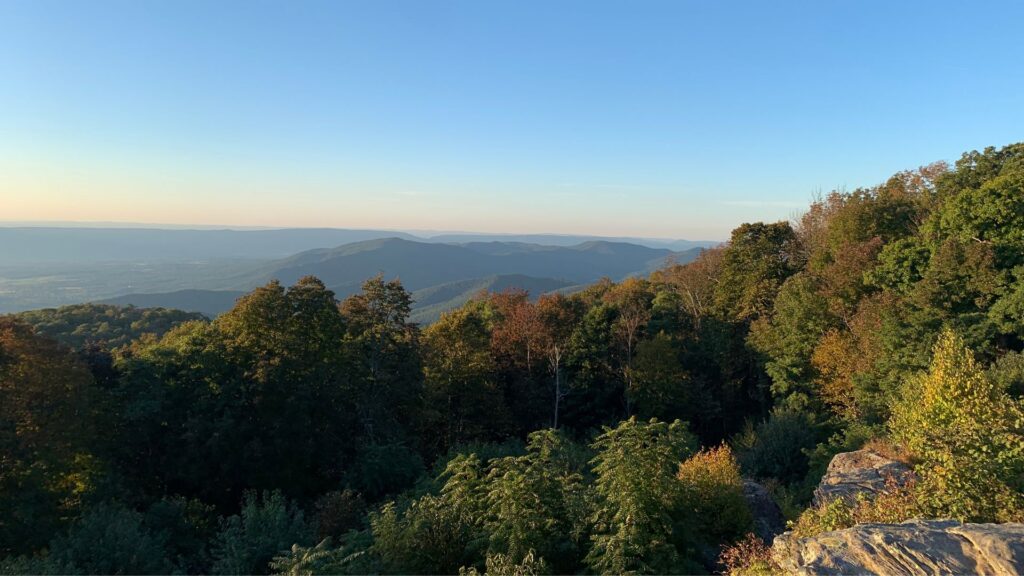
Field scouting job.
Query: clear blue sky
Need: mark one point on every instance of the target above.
(674, 119)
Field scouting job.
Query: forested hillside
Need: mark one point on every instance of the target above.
(103, 325)
(606, 431)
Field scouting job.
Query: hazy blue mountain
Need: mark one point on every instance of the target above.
(24, 245)
(570, 240)
(420, 264)
(189, 270)
(81, 244)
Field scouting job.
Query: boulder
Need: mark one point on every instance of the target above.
(863, 471)
(913, 547)
(768, 520)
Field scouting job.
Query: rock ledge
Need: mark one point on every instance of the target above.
(913, 547)
(863, 471)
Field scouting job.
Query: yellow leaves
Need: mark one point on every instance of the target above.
(961, 427)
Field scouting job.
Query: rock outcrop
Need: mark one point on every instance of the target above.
(768, 520)
(913, 547)
(863, 471)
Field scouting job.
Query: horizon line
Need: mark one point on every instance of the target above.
(128, 225)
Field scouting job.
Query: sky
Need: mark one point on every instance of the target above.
(677, 119)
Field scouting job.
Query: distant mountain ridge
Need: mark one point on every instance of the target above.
(441, 275)
(421, 264)
(80, 244)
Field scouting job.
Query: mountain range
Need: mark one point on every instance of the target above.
(178, 274)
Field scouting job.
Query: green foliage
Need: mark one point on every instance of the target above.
(638, 498)
(352, 557)
(381, 469)
(659, 385)
(266, 526)
(757, 261)
(505, 565)
(187, 527)
(966, 433)
(103, 324)
(806, 332)
(788, 337)
(462, 400)
(428, 537)
(712, 492)
(536, 503)
(48, 436)
(835, 514)
(110, 539)
(900, 265)
(776, 448)
(339, 512)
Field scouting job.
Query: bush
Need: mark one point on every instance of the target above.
(506, 565)
(748, 557)
(896, 504)
(188, 527)
(428, 537)
(264, 528)
(110, 539)
(964, 431)
(777, 447)
(833, 515)
(339, 512)
(382, 469)
(351, 557)
(713, 493)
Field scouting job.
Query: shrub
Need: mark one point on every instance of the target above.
(382, 469)
(638, 497)
(188, 526)
(110, 539)
(964, 430)
(339, 512)
(748, 557)
(264, 528)
(892, 506)
(505, 565)
(833, 515)
(712, 490)
(351, 557)
(777, 447)
(896, 504)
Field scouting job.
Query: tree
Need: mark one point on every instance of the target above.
(593, 369)
(967, 433)
(266, 526)
(713, 495)
(535, 504)
(756, 262)
(638, 498)
(659, 385)
(388, 377)
(696, 282)
(48, 437)
(104, 325)
(262, 398)
(557, 316)
(462, 402)
(110, 539)
(787, 338)
(633, 299)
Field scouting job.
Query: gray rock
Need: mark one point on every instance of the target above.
(913, 547)
(863, 471)
(768, 520)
